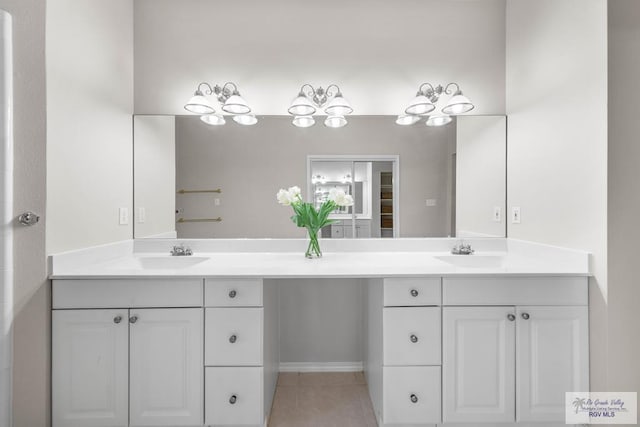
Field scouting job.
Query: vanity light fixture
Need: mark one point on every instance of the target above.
(426, 100)
(227, 95)
(310, 99)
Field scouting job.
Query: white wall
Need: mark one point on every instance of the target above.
(30, 293)
(155, 175)
(89, 124)
(624, 198)
(556, 88)
(481, 162)
(378, 51)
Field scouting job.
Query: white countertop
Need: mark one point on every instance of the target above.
(351, 260)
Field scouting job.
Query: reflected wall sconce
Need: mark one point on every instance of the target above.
(310, 99)
(227, 95)
(427, 101)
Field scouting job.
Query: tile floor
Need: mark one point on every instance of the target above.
(327, 399)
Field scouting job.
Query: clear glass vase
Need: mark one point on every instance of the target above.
(313, 250)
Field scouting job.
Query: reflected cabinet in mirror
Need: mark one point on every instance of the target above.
(193, 180)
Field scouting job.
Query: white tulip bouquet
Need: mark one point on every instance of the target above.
(307, 216)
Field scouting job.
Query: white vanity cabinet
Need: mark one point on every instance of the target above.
(403, 350)
(514, 360)
(241, 351)
(127, 366)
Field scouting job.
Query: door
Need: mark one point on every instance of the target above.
(166, 374)
(90, 368)
(478, 364)
(552, 358)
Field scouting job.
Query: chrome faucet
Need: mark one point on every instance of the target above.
(462, 249)
(181, 251)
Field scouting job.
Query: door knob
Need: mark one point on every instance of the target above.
(525, 316)
(233, 399)
(232, 294)
(414, 398)
(414, 338)
(133, 319)
(414, 292)
(511, 317)
(233, 338)
(117, 319)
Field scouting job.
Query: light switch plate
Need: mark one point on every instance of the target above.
(515, 215)
(124, 216)
(216, 202)
(431, 202)
(497, 214)
(142, 215)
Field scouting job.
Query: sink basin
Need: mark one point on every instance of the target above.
(161, 262)
(473, 261)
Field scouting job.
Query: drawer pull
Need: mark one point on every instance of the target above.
(117, 319)
(233, 293)
(233, 399)
(133, 319)
(414, 398)
(233, 338)
(525, 316)
(414, 338)
(414, 293)
(511, 317)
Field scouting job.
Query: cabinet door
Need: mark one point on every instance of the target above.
(552, 358)
(166, 372)
(89, 368)
(478, 364)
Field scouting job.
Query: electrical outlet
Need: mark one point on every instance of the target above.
(216, 202)
(497, 214)
(142, 215)
(431, 202)
(515, 215)
(124, 216)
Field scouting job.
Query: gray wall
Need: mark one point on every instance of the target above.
(31, 294)
(250, 164)
(378, 51)
(624, 198)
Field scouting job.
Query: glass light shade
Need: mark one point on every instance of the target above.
(245, 119)
(213, 119)
(303, 121)
(458, 104)
(407, 119)
(301, 106)
(338, 106)
(438, 120)
(420, 105)
(198, 104)
(236, 105)
(335, 121)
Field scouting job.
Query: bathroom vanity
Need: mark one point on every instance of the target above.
(141, 338)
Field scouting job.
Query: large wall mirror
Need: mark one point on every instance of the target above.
(193, 180)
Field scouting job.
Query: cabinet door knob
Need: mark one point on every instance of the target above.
(232, 293)
(511, 317)
(414, 398)
(414, 338)
(133, 319)
(117, 319)
(233, 399)
(525, 316)
(233, 338)
(414, 292)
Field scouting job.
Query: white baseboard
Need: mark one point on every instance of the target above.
(321, 367)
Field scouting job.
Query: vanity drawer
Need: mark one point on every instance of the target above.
(411, 336)
(233, 336)
(233, 396)
(412, 291)
(233, 292)
(411, 395)
(121, 293)
(515, 291)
